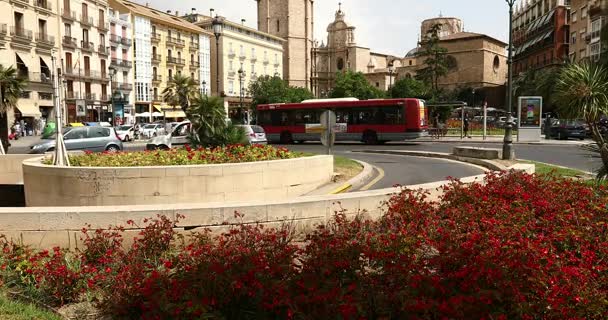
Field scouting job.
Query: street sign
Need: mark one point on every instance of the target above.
(328, 137)
(315, 128)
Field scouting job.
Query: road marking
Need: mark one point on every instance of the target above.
(376, 180)
(341, 189)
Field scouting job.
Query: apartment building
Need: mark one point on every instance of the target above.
(165, 45)
(587, 18)
(244, 55)
(84, 58)
(541, 34)
(121, 66)
(28, 38)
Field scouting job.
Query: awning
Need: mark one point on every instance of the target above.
(26, 59)
(158, 107)
(175, 114)
(28, 109)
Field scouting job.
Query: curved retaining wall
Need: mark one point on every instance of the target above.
(89, 186)
(60, 226)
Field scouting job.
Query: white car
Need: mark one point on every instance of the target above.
(126, 132)
(153, 130)
(178, 136)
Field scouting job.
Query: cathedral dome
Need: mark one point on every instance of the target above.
(413, 52)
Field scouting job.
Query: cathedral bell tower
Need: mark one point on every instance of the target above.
(292, 20)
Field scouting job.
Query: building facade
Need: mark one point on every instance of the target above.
(165, 45)
(293, 21)
(85, 60)
(244, 54)
(587, 20)
(541, 35)
(121, 66)
(29, 35)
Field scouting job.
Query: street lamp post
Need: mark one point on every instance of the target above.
(390, 74)
(204, 87)
(112, 74)
(241, 80)
(218, 27)
(507, 147)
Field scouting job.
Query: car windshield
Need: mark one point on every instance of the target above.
(257, 129)
(124, 128)
(150, 126)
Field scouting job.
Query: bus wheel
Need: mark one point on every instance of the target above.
(286, 138)
(370, 137)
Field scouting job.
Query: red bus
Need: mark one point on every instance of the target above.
(369, 121)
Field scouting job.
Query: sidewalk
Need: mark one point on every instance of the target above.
(24, 141)
(499, 139)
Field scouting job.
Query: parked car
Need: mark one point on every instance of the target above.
(565, 129)
(254, 134)
(126, 132)
(153, 130)
(98, 124)
(178, 136)
(96, 139)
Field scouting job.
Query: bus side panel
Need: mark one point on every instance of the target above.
(417, 116)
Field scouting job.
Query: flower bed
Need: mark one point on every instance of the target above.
(515, 247)
(182, 156)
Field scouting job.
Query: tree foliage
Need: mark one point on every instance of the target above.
(581, 91)
(537, 83)
(353, 84)
(180, 91)
(437, 62)
(11, 87)
(210, 124)
(267, 89)
(410, 88)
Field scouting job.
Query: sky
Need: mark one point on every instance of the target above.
(385, 26)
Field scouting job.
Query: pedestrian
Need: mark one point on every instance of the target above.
(17, 129)
(466, 126)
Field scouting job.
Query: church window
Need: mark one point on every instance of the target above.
(278, 25)
(340, 64)
(496, 63)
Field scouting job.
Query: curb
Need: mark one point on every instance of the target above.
(575, 143)
(357, 181)
(489, 164)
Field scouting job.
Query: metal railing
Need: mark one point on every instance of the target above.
(175, 41)
(125, 42)
(89, 96)
(194, 46)
(87, 46)
(45, 96)
(69, 42)
(101, 49)
(102, 25)
(86, 20)
(121, 63)
(45, 39)
(37, 77)
(125, 86)
(156, 58)
(157, 78)
(44, 4)
(67, 14)
(155, 37)
(178, 61)
(21, 33)
(72, 95)
(194, 64)
(115, 38)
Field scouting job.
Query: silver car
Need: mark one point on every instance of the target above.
(254, 134)
(96, 139)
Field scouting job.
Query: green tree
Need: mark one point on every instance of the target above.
(353, 84)
(267, 89)
(210, 124)
(581, 91)
(180, 91)
(537, 83)
(409, 88)
(11, 87)
(437, 62)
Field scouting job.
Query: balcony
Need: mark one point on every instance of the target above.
(38, 77)
(231, 54)
(102, 25)
(156, 58)
(44, 40)
(194, 46)
(155, 37)
(253, 59)
(156, 78)
(126, 42)
(176, 61)
(103, 50)
(115, 38)
(89, 96)
(276, 64)
(3, 29)
(20, 1)
(85, 20)
(68, 15)
(69, 42)
(124, 86)
(176, 42)
(266, 61)
(43, 4)
(104, 76)
(126, 64)
(70, 72)
(87, 46)
(104, 97)
(194, 64)
(71, 95)
(242, 56)
(21, 35)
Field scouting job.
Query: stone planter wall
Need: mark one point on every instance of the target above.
(88, 186)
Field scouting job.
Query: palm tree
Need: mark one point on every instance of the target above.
(11, 87)
(581, 91)
(181, 91)
(210, 123)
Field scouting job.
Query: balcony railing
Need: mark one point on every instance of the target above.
(43, 4)
(121, 63)
(71, 95)
(231, 54)
(156, 58)
(266, 61)
(157, 78)
(176, 42)
(45, 96)
(125, 41)
(89, 96)
(21, 1)
(21, 34)
(194, 46)
(115, 38)
(38, 77)
(103, 50)
(86, 20)
(87, 46)
(104, 97)
(102, 25)
(194, 64)
(3, 29)
(124, 86)
(44, 39)
(242, 56)
(155, 37)
(177, 61)
(69, 42)
(253, 59)
(69, 15)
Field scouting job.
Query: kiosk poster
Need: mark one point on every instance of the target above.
(530, 111)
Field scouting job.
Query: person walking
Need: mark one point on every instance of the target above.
(466, 126)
